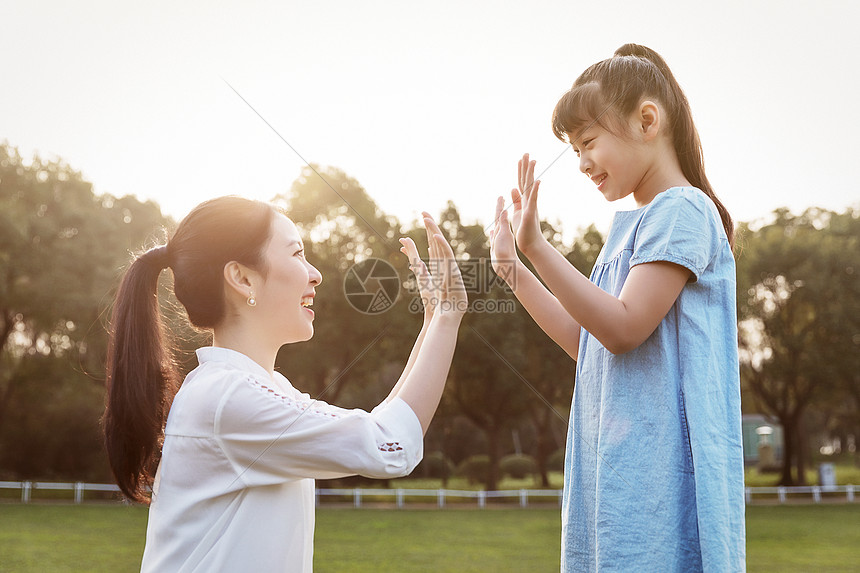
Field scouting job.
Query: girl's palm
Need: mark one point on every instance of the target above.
(525, 219)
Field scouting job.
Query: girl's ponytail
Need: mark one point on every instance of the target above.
(141, 377)
(685, 136)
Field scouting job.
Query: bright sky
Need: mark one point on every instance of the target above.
(422, 103)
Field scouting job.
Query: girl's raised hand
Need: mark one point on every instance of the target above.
(525, 219)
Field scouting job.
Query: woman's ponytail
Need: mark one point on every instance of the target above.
(141, 377)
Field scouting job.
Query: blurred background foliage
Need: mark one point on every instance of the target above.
(504, 412)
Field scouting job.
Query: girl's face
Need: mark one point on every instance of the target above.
(285, 295)
(614, 163)
(617, 164)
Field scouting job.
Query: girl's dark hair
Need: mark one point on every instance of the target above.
(142, 377)
(618, 85)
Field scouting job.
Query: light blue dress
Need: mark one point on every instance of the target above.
(654, 464)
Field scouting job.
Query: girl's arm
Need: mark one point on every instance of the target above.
(620, 324)
(540, 303)
(422, 384)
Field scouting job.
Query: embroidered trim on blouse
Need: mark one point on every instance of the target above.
(302, 406)
(308, 407)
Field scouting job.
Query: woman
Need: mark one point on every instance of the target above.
(232, 469)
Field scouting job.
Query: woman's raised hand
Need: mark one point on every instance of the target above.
(442, 292)
(503, 250)
(526, 222)
(428, 288)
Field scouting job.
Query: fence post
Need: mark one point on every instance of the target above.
(79, 492)
(482, 499)
(748, 494)
(849, 492)
(524, 498)
(781, 493)
(441, 496)
(25, 491)
(399, 496)
(316, 497)
(816, 494)
(356, 498)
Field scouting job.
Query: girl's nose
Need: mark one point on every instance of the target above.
(584, 164)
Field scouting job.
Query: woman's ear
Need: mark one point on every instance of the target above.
(238, 280)
(648, 119)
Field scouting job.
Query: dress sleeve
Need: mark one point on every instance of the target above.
(271, 436)
(681, 227)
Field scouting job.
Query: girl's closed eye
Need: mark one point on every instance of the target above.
(586, 144)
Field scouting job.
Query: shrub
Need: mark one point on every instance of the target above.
(475, 468)
(518, 466)
(435, 465)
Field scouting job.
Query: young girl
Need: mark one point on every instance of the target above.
(234, 488)
(654, 464)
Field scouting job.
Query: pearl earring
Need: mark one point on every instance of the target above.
(251, 300)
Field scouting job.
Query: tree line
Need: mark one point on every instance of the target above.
(63, 248)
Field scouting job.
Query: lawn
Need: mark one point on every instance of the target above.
(96, 537)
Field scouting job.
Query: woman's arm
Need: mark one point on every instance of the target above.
(430, 292)
(413, 355)
(422, 382)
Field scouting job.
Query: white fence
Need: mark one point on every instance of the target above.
(800, 493)
(358, 497)
(440, 496)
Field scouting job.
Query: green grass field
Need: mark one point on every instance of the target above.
(42, 537)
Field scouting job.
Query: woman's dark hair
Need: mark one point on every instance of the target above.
(618, 85)
(142, 376)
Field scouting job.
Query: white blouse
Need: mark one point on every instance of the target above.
(235, 487)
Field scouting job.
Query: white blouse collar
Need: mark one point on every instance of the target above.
(233, 358)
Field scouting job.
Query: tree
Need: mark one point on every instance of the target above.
(548, 363)
(799, 318)
(60, 250)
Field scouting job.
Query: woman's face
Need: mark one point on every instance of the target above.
(286, 293)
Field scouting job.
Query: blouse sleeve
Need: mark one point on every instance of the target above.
(682, 227)
(270, 436)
